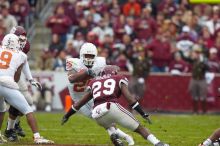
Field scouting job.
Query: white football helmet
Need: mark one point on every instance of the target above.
(88, 54)
(11, 41)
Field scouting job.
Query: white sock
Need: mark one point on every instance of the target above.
(111, 130)
(207, 142)
(121, 133)
(151, 138)
(36, 135)
(17, 119)
(125, 136)
(11, 124)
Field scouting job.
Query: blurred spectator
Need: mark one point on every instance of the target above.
(214, 23)
(207, 38)
(160, 52)
(115, 12)
(83, 28)
(20, 9)
(60, 62)
(76, 12)
(92, 38)
(95, 15)
(173, 29)
(105, 53)
(78, 41)
(213, 61)
(59, 24)
(9, 20)
(178, 65)
(130, 27)
(90, 21)
(167, 7)
(45, 94)
(177, 19)
(160, 19)
(4, 3)
(102, 29)
(128, 49)
(194, 27)
(184, 5)
(108, 43)
(99, 5)
(56, 45)
(33, 5)
(15, 11)
(132, 8)
(198, 85)
(145, 25)
(119, 27)
(70, 50)
(122, 62)
(67, 5)
(149, 4)
(45, 61)
(185, 42)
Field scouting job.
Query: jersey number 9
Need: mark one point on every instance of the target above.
(5, 59)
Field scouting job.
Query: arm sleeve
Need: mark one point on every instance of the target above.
(26, 71)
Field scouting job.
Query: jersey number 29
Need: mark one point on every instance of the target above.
(108, 87)
(5, 59)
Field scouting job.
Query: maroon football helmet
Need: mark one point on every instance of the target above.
(21, 33)
(109, 70)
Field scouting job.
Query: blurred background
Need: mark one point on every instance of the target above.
(169, 49)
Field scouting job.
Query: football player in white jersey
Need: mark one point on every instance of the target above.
(80, 70)
(11, 64)
(13, 126)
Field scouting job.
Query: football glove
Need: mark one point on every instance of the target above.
(147, 118)
(64, 120)
(36, 84)
(91, 72)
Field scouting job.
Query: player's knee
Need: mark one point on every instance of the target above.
(13, 111)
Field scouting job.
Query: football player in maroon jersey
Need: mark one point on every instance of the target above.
(13, 124)
(105, 91)
(213, 140)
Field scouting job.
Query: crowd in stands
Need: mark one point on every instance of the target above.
(13, 13)
(167, 32)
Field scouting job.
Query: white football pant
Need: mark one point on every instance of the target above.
(14, 98)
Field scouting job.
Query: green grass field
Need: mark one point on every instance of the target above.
(177, 130)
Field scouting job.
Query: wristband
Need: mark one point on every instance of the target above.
(136, 106)
(71, 111)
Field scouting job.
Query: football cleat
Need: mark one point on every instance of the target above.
(41, 140)
(2, 139)
(161, 144)
(11, 135)
(115, 140)
(129, 140)
(48, 108)
(19, 130)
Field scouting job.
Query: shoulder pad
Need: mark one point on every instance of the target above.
(100, 61)
(72, 64)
